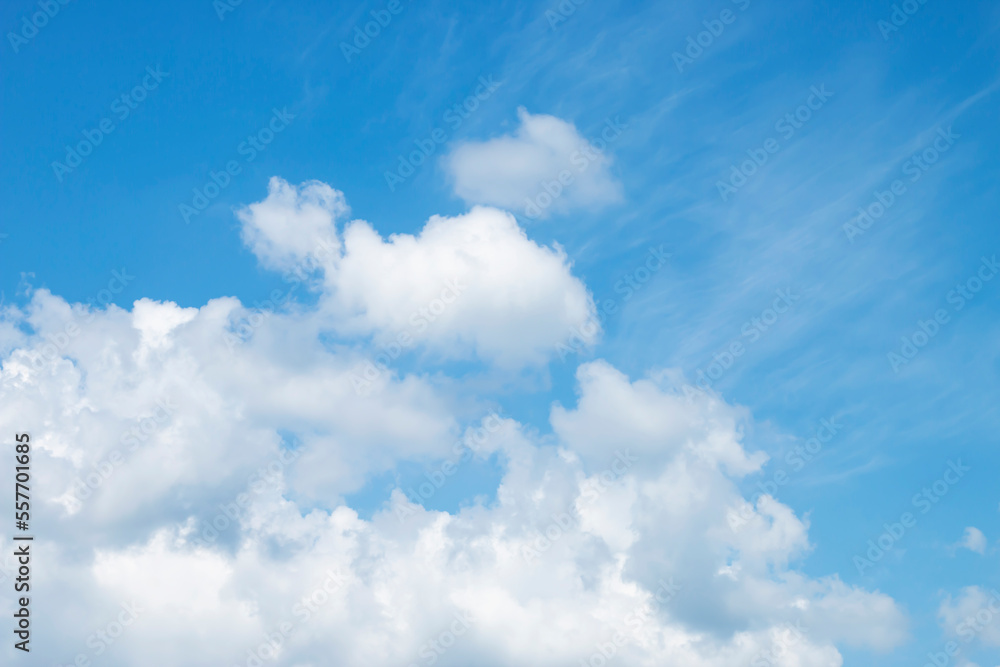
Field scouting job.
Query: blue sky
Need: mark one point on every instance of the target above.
(887, 96)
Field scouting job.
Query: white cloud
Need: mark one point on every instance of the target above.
(464, 287)
(973, 540)
(215, 475)
(651, 421)
(521, 171)
(973, 615)
(295, 226)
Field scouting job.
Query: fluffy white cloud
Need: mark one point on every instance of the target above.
(464, 287)
(973, 540)
(295, 226)
(545, 166)
(191, 480)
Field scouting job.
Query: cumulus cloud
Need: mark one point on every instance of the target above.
(295, 226)
(545, 166)
(195, 484)
(472, 286)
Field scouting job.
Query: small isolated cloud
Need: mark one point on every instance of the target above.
(973, 540)
(545, 166)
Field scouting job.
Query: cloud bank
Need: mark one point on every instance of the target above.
(193, 465)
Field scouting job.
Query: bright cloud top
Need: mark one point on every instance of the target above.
(545, 166)
(469, 286)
